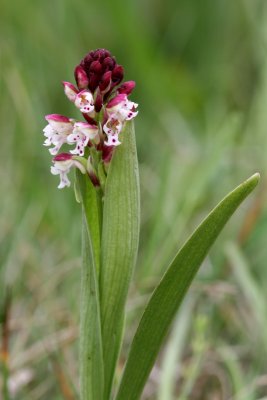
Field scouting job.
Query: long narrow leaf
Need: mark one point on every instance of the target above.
(119, 246)
(170, 292)
(91, 352)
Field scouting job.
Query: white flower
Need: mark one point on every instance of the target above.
(124, 109)
(62, 166)
(112, 128)
(119, 110)
(85, 101)
(82, 133)
(57, 131)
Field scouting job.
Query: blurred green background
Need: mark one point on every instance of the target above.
(201, 74)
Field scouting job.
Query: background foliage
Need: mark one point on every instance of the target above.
(201, 73)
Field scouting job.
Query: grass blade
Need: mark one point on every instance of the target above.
(171, 363)
(170, 292)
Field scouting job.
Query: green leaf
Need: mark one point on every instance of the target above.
(119, 246)
(170, 292)
(91, 353)
(91, 199)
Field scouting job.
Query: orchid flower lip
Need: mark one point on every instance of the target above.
(62, 165)
(62, 168)
(84, 101)
(112, 128)
(82, 133)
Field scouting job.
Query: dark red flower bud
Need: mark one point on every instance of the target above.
(96, 67)
(99, 71)
(100, 54)
(81, 77)
(98, 102)
(86, 62)
(93, 81)
(127, 87)
(109, 63)
(94, 179)
(105, 81)
(107, 153)
(117, 74)
(107, 53)
(89, 119)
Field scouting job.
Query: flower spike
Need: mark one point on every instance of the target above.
(103, 102)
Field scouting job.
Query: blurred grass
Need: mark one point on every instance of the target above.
(201, 73)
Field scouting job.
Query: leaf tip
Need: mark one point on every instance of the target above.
(254, 179)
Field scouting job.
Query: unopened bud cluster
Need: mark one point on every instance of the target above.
(103, 101)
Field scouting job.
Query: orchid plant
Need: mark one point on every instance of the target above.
(103, 153)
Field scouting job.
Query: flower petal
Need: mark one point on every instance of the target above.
(85, 101)
(70, 91)
(81, 77)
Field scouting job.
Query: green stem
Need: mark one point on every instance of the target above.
(99, 200)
